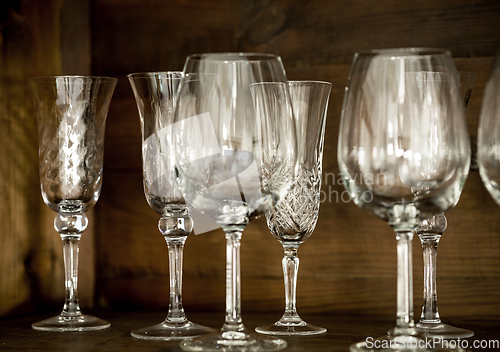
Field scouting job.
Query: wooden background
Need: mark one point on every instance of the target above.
(348, 266)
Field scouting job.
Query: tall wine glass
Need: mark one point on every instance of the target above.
(71, 114)
(404, 154)
(429, 231)
(489, 134)
(294, 219)
(156, 94)
(234, 161)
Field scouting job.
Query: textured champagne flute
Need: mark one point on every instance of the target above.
(294, 219)
(71, 114)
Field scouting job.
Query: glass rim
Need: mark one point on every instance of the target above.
(404, 52)
(155, 73)
(294, 82)
(233, 57)
(47, 79)
(307, 81)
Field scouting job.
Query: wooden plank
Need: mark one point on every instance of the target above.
(139, 35)
(76, 50)
(317, 32)
(22, 211)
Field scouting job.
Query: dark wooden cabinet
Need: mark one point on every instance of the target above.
(348, 266)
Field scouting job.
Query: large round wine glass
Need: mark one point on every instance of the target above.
(71, 115)
(430, 231)
(294, 219)
(488, 144)
(404, 154)
(156, 94)
(234, 161)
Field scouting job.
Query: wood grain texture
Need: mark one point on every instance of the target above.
(321, 32)
(31, 266)
(24, 244)
(135, 35)
(342, 331)
(349, 264)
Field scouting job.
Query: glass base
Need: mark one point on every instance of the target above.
(71, 323)
(443, 331)
(171, 331)
(300, 328)
(233, 341)
(404, 344)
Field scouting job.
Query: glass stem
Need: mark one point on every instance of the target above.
(70, 252)
(430, 310)
(70, 227)
(233, 321)
(175, 226)
(404, 316)
(175, 252)
(290, 269)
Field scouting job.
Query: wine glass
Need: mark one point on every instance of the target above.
(293, 220)
(429, 232)
(71, 115)
(489, 134)
(404, 155)
(234, 161)
(155, 94)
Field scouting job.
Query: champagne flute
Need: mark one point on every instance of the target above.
(429, 232)
(155, 94)
(234, 161)
(71, 115)
(294, 219)
(404, 154)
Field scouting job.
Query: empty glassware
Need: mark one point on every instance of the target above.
(71, 115)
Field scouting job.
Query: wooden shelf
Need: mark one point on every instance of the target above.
(17, 334)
